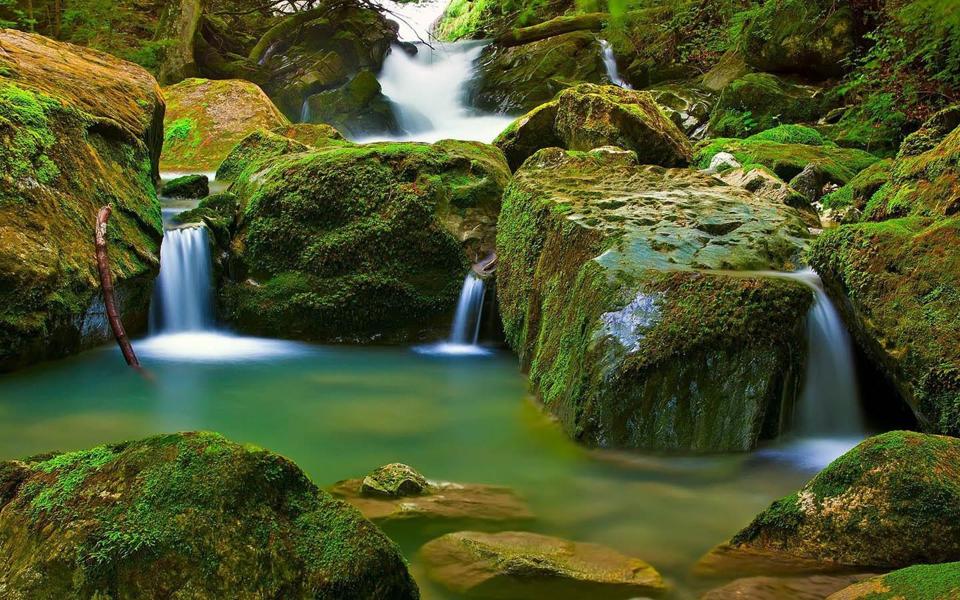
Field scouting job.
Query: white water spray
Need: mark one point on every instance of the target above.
(610, 62)
(183, 298)
(465, 331)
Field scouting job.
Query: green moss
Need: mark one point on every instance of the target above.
(792, 134)
(761, 101)
(27, 136)
(861, 188)
(919, 582)
(181, 130)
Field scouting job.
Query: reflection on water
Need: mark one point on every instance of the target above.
(342, 411)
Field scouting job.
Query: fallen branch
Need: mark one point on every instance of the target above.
(106, 284)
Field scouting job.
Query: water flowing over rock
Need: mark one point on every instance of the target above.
(185, 515)
(78, 129)
(615, 289)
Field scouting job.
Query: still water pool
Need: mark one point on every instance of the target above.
(339, 412)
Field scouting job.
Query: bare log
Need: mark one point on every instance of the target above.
(106, 284)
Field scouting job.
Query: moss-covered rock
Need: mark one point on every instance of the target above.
(357, 108)
(518, 78)
(615, 289)
(920, 582)
(687, 105)
(78, 129)
(187, 186)
(395, 480)
(185, 515)
(516, 564)
(758, 101)
(589, 116)
(892, 501)
(359, 241)
(482, 19)
(899, 281)
(206, 118)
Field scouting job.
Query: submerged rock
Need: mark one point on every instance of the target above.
(920, 582)
(615, 287)
(811, 587)
(206, 118)
(892, 501)
(357, 242)
(78, 129)
(188, 186)
(398, 493)
(190, 515)
(589, 116)
(516, 564)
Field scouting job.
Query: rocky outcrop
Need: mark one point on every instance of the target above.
(934, 582)
(518, 78)
(78, 129)
(759, 101)
(187, 186)
(185, 515)
(358, 108)
(589, 116)
(892, 501)
(615, 289)
(357, 242)
(205, 119)
(517, 564)
(397, 493)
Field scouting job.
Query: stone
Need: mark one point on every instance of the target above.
(811, 587)
(78, 129)
(393, 481)
(187, 186)
(763, 183)
(688, 106)
(919, 582)
(615, 281)
(759, 101)
(188, 514)
(205, 119)
(516, 564)
(358, 108)
(810, 182)
(891, 502)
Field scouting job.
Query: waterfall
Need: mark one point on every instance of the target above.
(466, 321)
(305, 110)
(183, 298)
(610, 62)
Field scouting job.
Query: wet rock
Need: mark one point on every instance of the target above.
(205, 119)
(358, 108)
(813, 587)
(518, 78)
(687, 106)
(759, 101)
(589, 116)
(187, 186)
(810, 182)
(78, 129)
(937, 582)
(892, 501)
(517, 564)
(152, 517)
(763, 183)
(606, 270)
(393, 481)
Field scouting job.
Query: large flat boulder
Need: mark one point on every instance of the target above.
(78, 129)
(619, 291)
(892, 501)
(205, 119)
(189, 515)
(518, 565)
(360, 242)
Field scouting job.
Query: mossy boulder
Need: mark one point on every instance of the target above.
(589, 116)
(311, 134)
(616, 289)
(357, 108)
(218, 212)
(187, 186)
(205, 119)
(359, 242)
(518, 78)
(758, 101)
(516, 564)
(483, 19)
(185, 515)
(892, 501)
(919, 582)
(687, 105)
(857, 192)
(899, 286)
(78, 129)
(395, 480)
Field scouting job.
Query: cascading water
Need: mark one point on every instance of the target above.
(610, 62)
(183, 299)
(465, 330)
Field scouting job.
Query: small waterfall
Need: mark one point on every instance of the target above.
(466, 321)
(610, 62)
(183, 298)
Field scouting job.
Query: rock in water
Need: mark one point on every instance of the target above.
(188, 186)
(518, 565)
(892, 501)
(187, 515)
(78, 129)
(589, 116)
(920, 582)
(393, 481)
(811, 587)
(615, 286)
(205, 119)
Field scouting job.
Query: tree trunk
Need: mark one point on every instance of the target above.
(106, 284)
(57, 16)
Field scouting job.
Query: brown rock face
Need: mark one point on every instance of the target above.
(78, 129)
